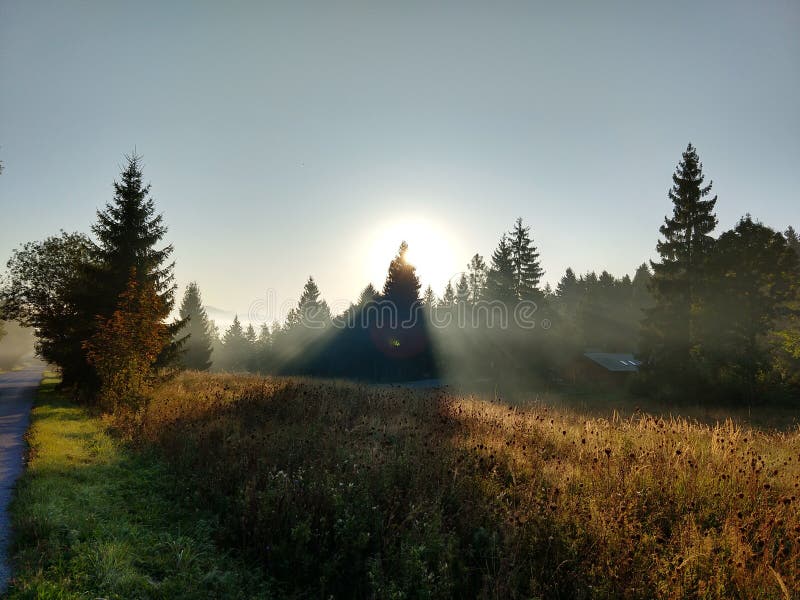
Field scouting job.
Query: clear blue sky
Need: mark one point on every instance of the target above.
(279, 137)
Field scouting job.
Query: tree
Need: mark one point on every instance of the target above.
(312, 310)
(500, 283)
(199, 343)
(793, 239)
(569, 293)
(462, 290)
(235, 348)
(125, 346)
(670, 331)
(128, 231)
(429, 298)
(526, 269)
(449, 296)
(40, 291)
(402, 284)
(477, 278)
(752, 278)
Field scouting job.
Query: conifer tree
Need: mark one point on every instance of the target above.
(128, 232)
(402, 284)
(429, 298)
(311, 310)
(198, 347)
(670, 327)
(235, 351)
(449, 297)
(569, 293)
(462, 290)
(500, 280)
(527, 271)
(477, 278)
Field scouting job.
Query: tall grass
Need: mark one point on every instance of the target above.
(352, 491)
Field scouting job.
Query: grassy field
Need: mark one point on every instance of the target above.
(348, 491)
(94, 520)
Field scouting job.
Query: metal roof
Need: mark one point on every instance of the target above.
(614, 362)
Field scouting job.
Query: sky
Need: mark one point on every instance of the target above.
(291, 139)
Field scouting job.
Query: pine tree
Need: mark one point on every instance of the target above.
(500, 279)
(477, 278)
(128, 231)
(449, 297)
(368, 294)
(402, 284)
(429, 298)
(569, 293)
(311, 310)
(525, 263)
(793, 239)
(198, 347)
(462, 290)
(670, 327)
(235, 347)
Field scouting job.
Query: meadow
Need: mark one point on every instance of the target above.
(350, 491)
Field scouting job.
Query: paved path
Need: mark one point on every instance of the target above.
(17, 390)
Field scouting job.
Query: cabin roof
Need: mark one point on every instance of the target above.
(614, 361)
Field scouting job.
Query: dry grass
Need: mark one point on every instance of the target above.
(352, 491)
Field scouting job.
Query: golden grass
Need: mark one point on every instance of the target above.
(360, 491)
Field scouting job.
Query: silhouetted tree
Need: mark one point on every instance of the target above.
(752, 277)
(670, 330)
(402, 284)
(500, 282)
(526, 269)
(449, 296)
(198, 347)
(429, 298)
(235, 348)
(477, 278)
(462, 290)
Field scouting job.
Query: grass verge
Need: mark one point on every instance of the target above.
(93, 518)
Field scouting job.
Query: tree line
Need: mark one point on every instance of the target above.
(713, 317)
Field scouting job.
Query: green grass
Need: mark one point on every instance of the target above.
(92, 518)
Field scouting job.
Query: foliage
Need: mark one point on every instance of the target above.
(126, 345)
(39, 292)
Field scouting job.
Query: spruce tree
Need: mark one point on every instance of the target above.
(462, 290)
(670, 327)
(402, 284)
(429, 298)
(449, 297)
(477, 278)
(235, 348)
(500, 280)
(527, 271)
(128, 233)
(198, 347)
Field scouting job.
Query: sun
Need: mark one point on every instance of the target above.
(430, 250)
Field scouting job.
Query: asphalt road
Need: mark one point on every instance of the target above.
(17, 390)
